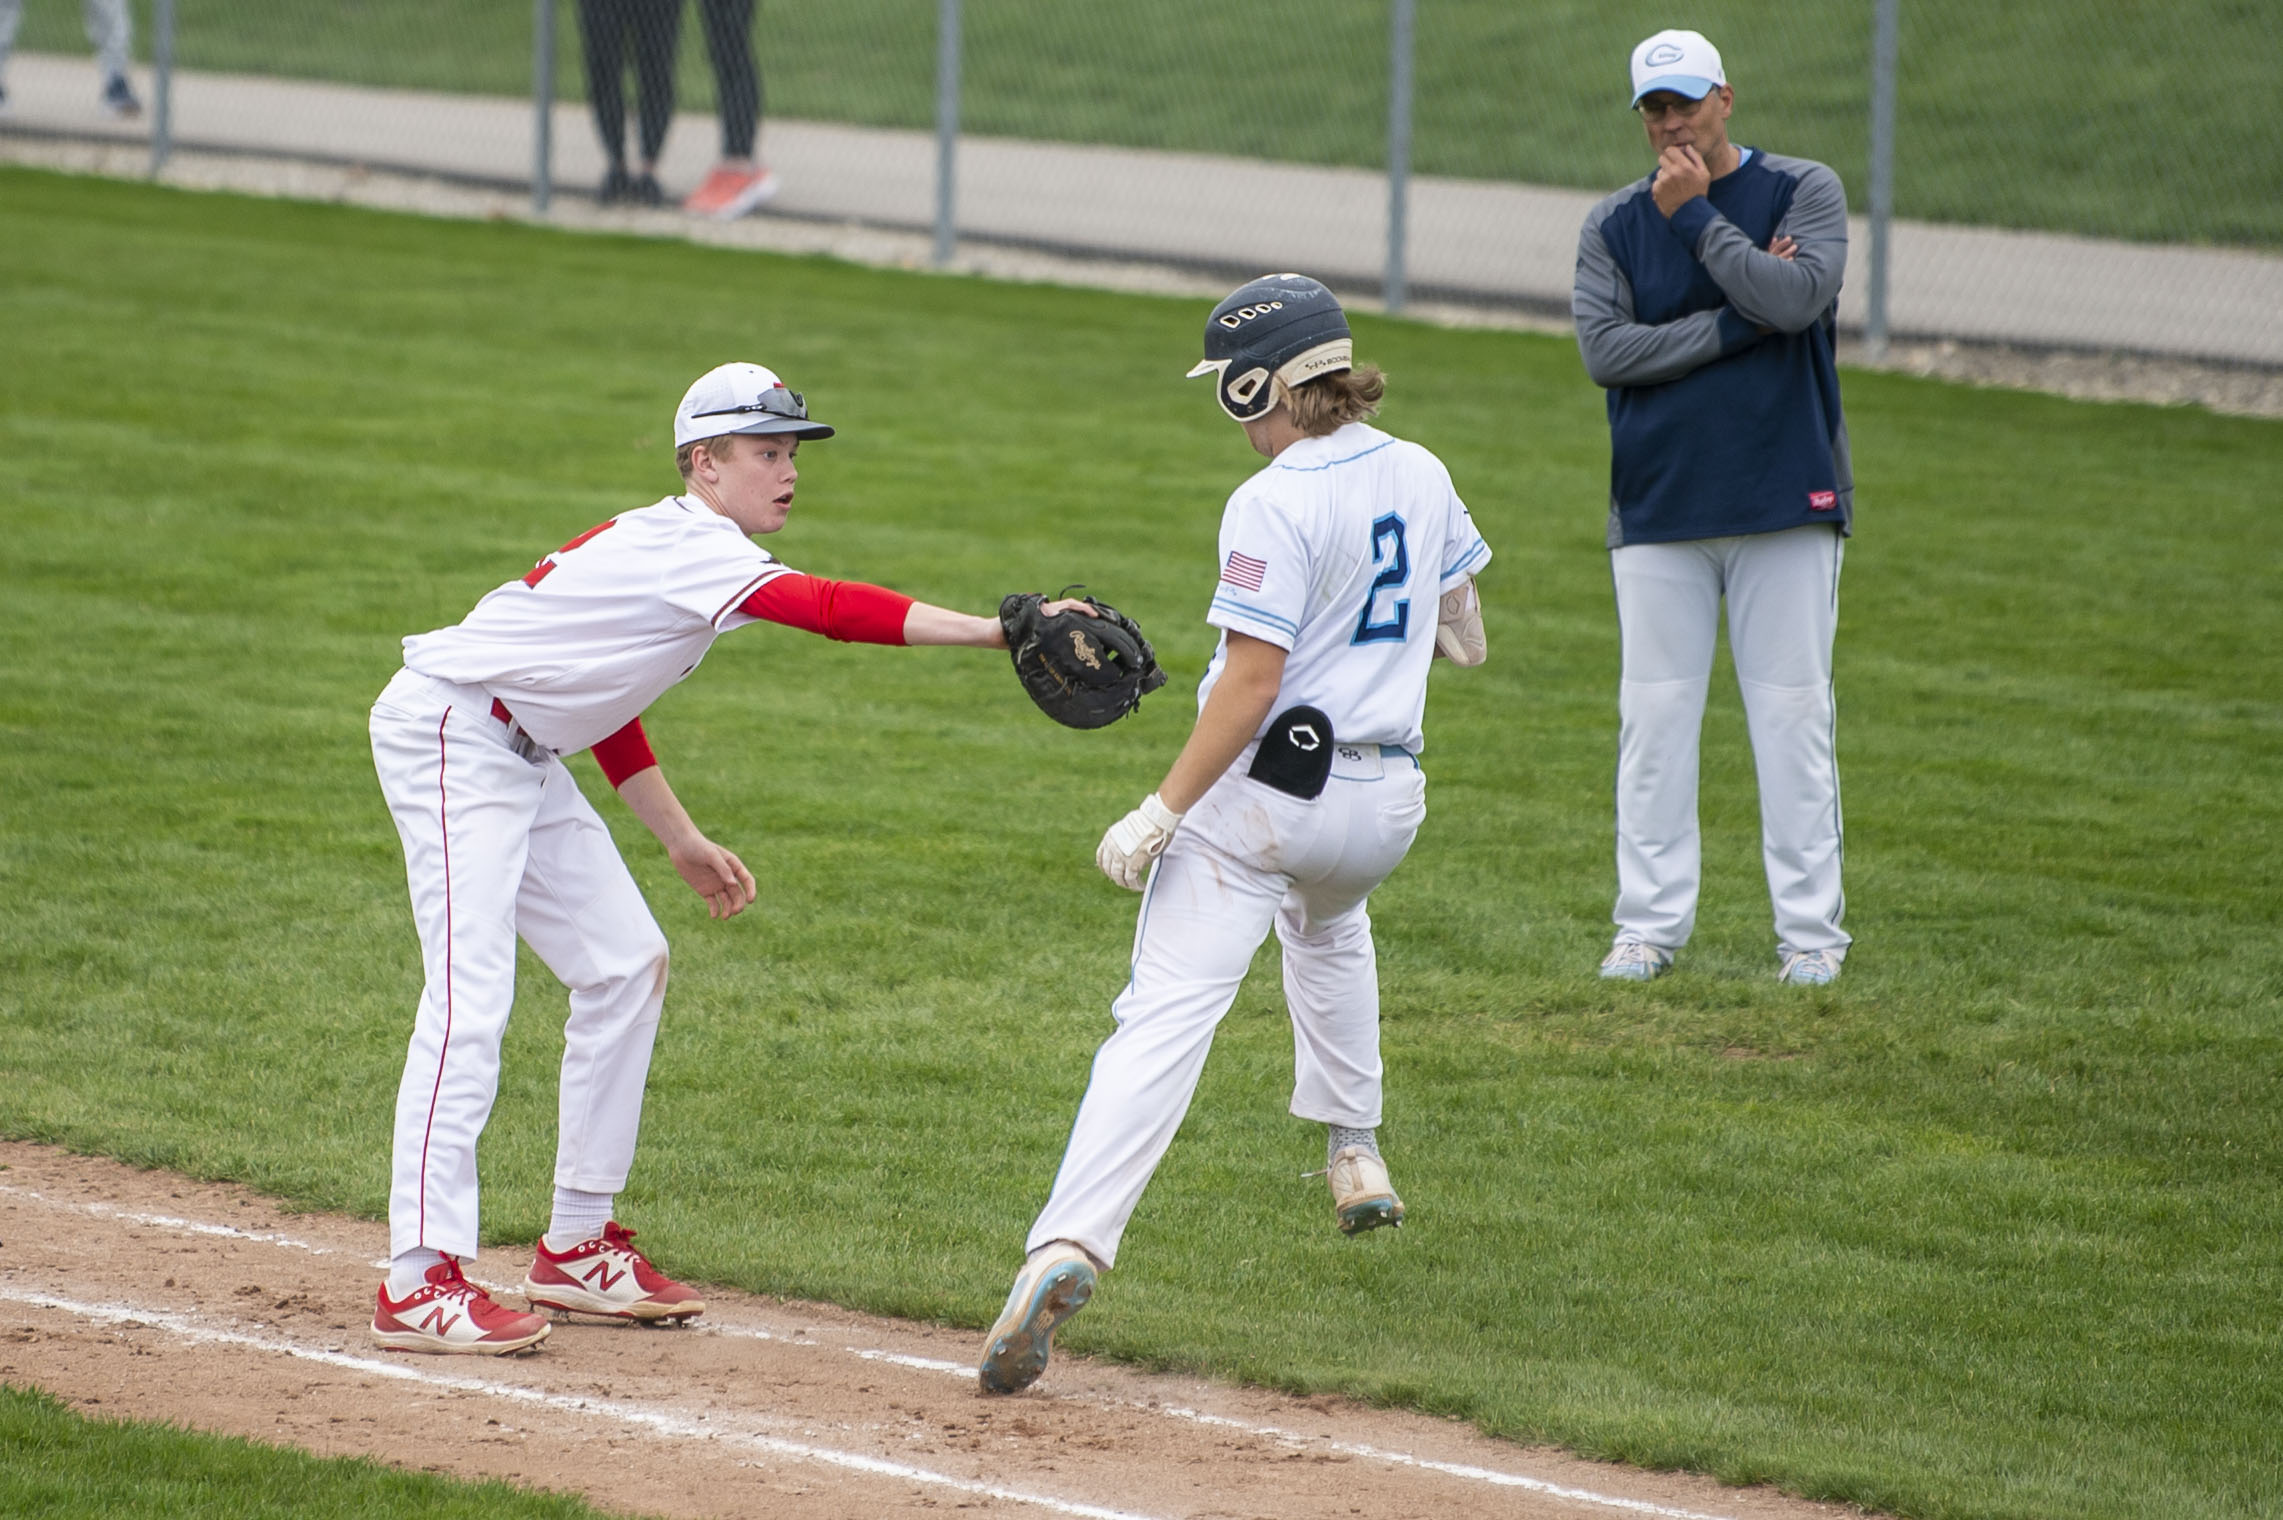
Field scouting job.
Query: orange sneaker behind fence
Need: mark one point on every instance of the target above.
(730, 191)
(450, 1315)
(607, 1276)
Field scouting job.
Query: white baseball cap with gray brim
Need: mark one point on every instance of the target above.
(1681, 62)
(742, 398)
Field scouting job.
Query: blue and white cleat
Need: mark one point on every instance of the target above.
(1809, 968)
(1632, 960)
(1053, 1285)
(1362, 1196)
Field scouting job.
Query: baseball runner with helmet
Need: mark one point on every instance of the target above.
(1344, 567)
(499, 842)
(1705, 300)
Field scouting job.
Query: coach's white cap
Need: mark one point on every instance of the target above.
(742, 398)
(1679, 61)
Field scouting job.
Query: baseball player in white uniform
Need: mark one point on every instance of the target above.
(499, 842)
(1344, 565)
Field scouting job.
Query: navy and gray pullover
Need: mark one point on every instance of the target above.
(1717, 427)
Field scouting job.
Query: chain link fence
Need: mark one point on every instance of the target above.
(2061, 174)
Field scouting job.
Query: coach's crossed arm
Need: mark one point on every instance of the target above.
(1619, 349)
(1773, 292)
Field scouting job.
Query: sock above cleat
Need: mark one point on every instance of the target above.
(409, 1271)
(578, 1217)
(1340, 1136)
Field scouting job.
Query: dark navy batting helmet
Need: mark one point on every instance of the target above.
(1279, 328)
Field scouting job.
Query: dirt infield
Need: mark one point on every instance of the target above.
(140, 1295)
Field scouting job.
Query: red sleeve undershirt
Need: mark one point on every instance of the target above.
(851, 611)
(624, 754)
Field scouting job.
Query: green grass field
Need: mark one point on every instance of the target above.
(58, 1465)
(2124, 120)
(1987, 1229)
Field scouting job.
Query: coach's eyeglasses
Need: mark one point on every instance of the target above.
(1654, 110)
(776, 401)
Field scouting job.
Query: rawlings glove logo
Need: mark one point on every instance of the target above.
(1083, 672)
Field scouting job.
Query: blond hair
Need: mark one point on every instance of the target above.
(1328, 403)
(717, 447)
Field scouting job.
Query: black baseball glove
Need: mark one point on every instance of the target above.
(1083, 672)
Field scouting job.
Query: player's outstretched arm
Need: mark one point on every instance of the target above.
(925, 624)
(712, 872)
(859, 613)
(1239, 704)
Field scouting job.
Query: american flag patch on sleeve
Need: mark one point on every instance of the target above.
(1243, 570)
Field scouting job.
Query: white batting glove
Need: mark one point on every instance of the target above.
(1134, 841)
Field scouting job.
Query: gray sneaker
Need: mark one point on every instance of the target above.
(119, 97)
(1632, 960)
(1809, 968)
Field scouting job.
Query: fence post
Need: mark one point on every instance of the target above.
(162, 86)
(946, 128)
(1884, 50)
(1398, 149)
(542, 105)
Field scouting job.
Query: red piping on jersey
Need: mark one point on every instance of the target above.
(853, 612)
(751, 586)
(443, 832)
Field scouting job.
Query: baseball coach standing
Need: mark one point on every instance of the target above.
(1705, 302)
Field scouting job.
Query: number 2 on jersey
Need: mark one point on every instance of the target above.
(546, 567)
(1396, 623)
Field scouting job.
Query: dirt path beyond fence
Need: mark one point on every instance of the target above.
(2246, 390)
(140, 1295)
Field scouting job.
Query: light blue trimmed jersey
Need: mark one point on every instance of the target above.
(1339, 551)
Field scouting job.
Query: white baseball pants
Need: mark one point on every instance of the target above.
(1783, 610)
(110, 31)
(496, 846)
(1245, 858)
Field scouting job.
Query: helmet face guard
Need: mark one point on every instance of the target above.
(1269, 336)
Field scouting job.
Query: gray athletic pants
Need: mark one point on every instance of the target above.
(110, 31)
(1782, 591)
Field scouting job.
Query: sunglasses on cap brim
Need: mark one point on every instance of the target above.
(774, 402)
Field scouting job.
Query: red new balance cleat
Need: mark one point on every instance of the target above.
(452, 1316)
(607, 1276)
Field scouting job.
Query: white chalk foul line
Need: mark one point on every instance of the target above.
(1450, 1469)
(958, 1369)
(169, 1222)
(1347, 1448)
(659, 1421)
(199, 1227)
(923, 1363)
